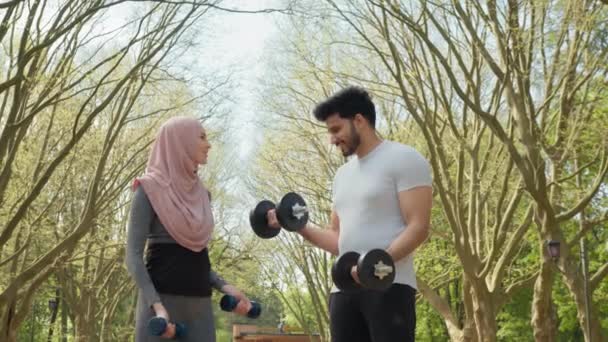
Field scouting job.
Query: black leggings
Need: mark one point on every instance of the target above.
(374, 316)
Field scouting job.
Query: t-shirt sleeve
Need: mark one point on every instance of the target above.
(411, 170)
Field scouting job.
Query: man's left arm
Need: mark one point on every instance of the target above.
(415, 205)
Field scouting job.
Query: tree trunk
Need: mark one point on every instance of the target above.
(543, 325)
(83, 330)
(469, 332)
(7, 332)
(575, 284)
(483, 312)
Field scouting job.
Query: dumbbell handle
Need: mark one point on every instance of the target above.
(158, 325)
(382, 270)
(298, 211)
(228, 303)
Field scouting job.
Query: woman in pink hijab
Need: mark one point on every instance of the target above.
(171, 211)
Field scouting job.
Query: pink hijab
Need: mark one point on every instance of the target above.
(173, 187)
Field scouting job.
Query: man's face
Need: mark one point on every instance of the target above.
(343, 134)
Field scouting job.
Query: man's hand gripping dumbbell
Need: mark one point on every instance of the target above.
(267, 218)
(374, 270)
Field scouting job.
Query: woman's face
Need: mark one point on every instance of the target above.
(202, 149)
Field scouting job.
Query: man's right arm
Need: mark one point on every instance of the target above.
(326, 239)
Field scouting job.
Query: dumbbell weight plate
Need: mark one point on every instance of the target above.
(259, 220)
(340, 272)
(228, 303)
(180, 330)
(255, 311)
(376, 270)
(292, 212)
(157, 326)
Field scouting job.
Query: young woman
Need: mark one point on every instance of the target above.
(171, 212)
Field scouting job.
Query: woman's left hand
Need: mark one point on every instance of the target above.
(244, 305)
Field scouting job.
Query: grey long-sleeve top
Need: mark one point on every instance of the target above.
(144, 226)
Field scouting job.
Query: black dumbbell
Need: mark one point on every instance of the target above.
(158, 325)
(376, 270)
(228, 303)
(292, 214)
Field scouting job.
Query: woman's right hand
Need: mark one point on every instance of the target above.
(160, 311)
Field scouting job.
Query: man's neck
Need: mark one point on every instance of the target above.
(368, 144)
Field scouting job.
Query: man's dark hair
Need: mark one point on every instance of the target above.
(347, 103)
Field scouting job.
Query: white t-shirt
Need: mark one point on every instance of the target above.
(365, 198)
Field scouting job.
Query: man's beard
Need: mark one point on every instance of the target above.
(353, 143)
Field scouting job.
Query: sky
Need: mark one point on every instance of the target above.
(228, 42)
(238, 42)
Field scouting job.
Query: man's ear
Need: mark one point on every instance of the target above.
(359, 120)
